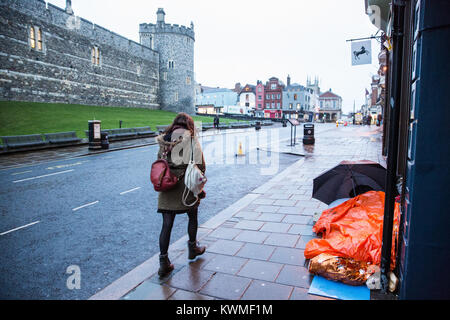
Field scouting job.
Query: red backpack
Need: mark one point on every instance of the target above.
(161, 177)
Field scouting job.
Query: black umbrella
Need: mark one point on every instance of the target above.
(349, 179)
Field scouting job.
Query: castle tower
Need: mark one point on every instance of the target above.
(69, 9)
(313, 85)
(175, 45)
(160, 16)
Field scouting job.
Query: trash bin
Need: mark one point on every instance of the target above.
(104, 140)
(308, 133)
(258, 125)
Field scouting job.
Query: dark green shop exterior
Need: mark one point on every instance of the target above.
(416, 136)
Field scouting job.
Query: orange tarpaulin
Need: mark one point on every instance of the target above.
(354, 229)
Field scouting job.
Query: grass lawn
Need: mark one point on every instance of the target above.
(20, 118)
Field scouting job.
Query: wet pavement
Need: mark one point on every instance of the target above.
(97, 211)
(255, 246)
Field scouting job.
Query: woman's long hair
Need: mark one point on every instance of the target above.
(182, 120)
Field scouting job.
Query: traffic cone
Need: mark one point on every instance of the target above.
(240, 152)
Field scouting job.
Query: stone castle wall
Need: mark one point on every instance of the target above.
(63, 71)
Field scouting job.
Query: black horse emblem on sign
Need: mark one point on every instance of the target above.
(360, 52)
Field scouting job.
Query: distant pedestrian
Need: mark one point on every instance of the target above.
(379, 119)
(216, 121)
(177, 138)
(369, 120)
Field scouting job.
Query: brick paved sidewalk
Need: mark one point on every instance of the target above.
(255, 247)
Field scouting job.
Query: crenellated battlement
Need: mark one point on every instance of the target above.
(166, 28)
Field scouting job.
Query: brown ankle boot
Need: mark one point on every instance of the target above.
(165, 267)
(194, 250)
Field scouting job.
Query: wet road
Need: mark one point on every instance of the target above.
(98, 213)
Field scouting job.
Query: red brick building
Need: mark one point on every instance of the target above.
(273, 98)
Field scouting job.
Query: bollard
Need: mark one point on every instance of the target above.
(258, 125)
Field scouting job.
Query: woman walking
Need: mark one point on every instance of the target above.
(176, 145)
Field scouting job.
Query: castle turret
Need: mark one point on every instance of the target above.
(175, 45)
(69, 9)
(160, 16)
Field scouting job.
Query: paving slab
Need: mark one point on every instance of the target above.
(226, 286)
(256, 251)
(262, 270)
(264, 290)
(225, 264)
(252, 236)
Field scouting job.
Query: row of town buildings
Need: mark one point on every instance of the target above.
(273, 99)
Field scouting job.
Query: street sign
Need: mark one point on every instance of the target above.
(361, 52)
(294, 122)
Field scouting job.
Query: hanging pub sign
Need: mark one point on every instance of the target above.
(361, 52)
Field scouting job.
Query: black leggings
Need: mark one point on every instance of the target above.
(168, 219)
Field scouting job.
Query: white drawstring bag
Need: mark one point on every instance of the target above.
(194, 180)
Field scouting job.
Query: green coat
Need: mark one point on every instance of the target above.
(170, 201)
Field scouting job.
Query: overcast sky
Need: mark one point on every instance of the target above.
(246, 41)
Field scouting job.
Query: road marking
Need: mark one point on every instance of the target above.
(122, 193)
(86, 205)
(66, 165)
(27, 225)
(16, 173)
(45, 175)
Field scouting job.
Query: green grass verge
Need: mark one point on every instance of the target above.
(20, 118)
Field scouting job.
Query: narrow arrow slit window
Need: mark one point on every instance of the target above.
(96, 56)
